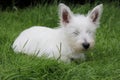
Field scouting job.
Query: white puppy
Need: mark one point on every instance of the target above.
(75, 35)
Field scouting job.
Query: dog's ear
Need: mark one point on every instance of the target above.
(65, 14)
(95, 14)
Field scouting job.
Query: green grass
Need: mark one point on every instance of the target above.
(103, 62)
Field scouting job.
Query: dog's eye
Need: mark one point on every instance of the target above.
(76, 32)
(89, 32)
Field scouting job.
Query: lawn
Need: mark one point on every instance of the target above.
(103, 62)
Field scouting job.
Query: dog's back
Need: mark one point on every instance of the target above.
(40, 40)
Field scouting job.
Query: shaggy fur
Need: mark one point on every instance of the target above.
(75, 35)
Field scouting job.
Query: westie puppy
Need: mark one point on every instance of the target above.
(74, 36)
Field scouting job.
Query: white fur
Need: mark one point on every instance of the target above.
(64, 42)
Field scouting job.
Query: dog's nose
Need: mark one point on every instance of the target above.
(86, 45)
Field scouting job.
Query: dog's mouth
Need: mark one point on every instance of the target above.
(82, 50)
(86, 49)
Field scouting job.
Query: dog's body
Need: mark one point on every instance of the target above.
(75, 34)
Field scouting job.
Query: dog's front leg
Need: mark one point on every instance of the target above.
(78, 57)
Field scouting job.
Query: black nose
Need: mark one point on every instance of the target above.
(86, 45)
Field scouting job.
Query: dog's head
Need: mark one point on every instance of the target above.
(80, 29)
